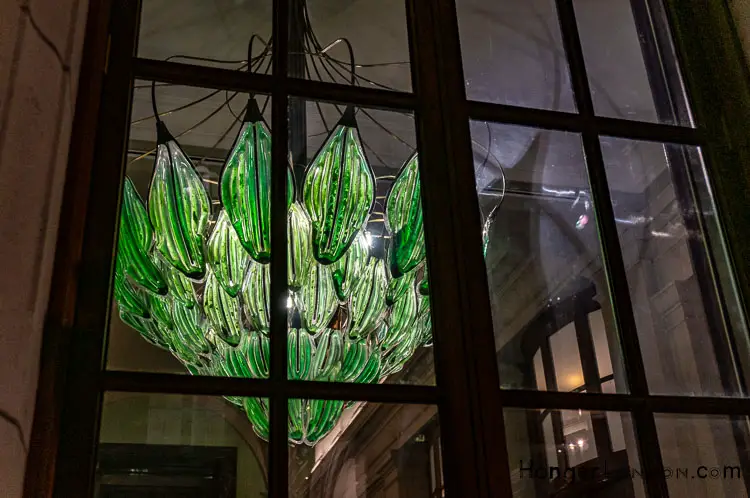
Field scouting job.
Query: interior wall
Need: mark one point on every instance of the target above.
(40, 47)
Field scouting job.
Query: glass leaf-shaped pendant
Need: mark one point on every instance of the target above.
(397, 287)
(297, 416)
(148, 328)
(423, 324)
(403, 314)
(180, 287)
(160, 308)
(257, 349)
(223, 311)
(371, 372)
(356, 355)
(348, 270)
(245, 185)
(257, 410)
(226, 255)
(403, 211)
(395, 359)
(135, 241)
(178, 207)
(189, 327)
(329, 352)
(323, 416)
(128, 296)
(299, 257)
(316, 301)
(338, 192)
(368, 300)
(256, 296)
(300, 352)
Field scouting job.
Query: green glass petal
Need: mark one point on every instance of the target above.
(356, 355)
(148, 329)
(189, 327)
(423, 324)
(299, 256)
(179, 208)
(403, 314)
(258, 352)
(226, 255)
(368, 300)
(180, 287)
(128, 296)
(323, 416)
(397, 287)
(329, 352)
(348, 270)
(246, 189)
(300, 346)
(338, 193)
(161, 309)
(297, 415)
(424, 287)
(256, 294)
(223, 311)
(316, 301)
(371, 372)
(395, 359)
(257, 410)
(404, 215)
(135, 241)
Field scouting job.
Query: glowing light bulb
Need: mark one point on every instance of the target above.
(580, 443)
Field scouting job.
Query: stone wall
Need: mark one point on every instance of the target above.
(40, 47)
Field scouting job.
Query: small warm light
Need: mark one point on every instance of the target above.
(580, 443)
(573, 381)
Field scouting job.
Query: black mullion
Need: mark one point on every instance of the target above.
(572, 122)
(550, 379)
(81, 413)
(235, 386)
(617, 283)
(242, 81)
(278, 451)
(592, 381)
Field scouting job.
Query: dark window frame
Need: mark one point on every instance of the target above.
(73, 377)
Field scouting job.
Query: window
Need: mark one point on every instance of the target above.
(450, 248)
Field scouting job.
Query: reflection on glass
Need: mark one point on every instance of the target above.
(373, 450)
(644, 83)
(706, 455)
(571, 453)
(170, 445)
(513, 53)
(690, 343)
(206, 33)
(360, 43)
(550, 306)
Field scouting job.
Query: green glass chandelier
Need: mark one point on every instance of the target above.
(197, 282)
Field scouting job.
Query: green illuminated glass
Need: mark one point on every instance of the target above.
(338, 193)
(201, 288)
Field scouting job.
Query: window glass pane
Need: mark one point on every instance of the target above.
(630, 61)
(704, 456)
(571, 453)
(220, 31)
(373, 450)
(171, 445)
(184, 286)
(359, 301)
(543, 261)
(322, 32)
(688, 345)
(513, 53)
